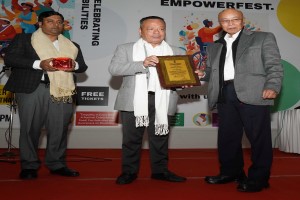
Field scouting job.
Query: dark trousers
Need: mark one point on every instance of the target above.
(36, 110)
(132, 143)
(235, 118)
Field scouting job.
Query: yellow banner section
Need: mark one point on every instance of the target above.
(5, 96)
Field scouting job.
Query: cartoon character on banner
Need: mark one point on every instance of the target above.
(196, 44)
(7, 32)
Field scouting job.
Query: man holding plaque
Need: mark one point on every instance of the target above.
(42, 79)
(143, 103)
(245, 75)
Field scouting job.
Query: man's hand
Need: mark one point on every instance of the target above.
(150, 61)
(269, 94)
(72, 67)
(200, 73)
(46, 65)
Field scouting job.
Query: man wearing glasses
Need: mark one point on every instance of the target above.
(245, 75)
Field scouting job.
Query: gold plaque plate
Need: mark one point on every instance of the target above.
(176, 71)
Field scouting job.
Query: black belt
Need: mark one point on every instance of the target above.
(228, 82)
(45, 82)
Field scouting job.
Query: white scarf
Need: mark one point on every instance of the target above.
(140, 100)
(62, 85)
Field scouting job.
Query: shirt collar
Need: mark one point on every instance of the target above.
(234, 36)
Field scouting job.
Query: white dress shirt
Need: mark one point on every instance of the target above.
(229, 66)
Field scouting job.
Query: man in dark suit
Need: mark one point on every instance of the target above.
(245, 75)
(43, 92)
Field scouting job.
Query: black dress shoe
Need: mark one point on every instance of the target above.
(168, 176)
(64, 171)
(126, 178)
(252, 186)
(222, 179)
(27, 174)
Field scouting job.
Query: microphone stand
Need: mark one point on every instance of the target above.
(13, 108)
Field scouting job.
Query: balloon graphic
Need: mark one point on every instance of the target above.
(63, 1)
(182, 33)
(290, 94)
(288, 13)
(189, 27)
(194, 25)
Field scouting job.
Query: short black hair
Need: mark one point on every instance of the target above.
(27, 4)
(46, 14)
(151, 17)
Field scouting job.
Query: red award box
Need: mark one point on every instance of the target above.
(62, 63)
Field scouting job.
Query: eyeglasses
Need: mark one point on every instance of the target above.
(227, 21)
(159, 29)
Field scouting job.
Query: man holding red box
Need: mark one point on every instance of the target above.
(43, 92)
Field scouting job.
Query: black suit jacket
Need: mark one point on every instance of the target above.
(20, 56)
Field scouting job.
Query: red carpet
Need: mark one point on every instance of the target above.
(99, 169)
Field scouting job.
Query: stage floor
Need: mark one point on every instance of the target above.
(99, 168)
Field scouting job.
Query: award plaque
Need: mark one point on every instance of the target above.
(176, 71)
(62, 63)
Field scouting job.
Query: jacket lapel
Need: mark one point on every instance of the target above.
(216, 50)
(244, 43)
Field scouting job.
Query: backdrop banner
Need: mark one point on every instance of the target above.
(100, 25)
